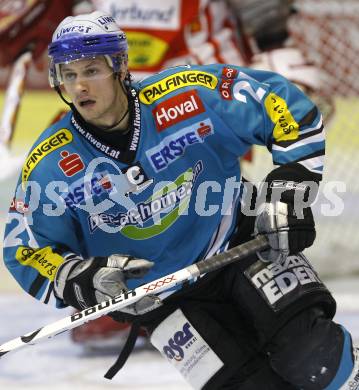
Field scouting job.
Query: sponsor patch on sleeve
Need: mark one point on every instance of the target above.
(229, 73)
(60, 138)
(187, 78)
(285, 126)
(44, 260)
(225, 89)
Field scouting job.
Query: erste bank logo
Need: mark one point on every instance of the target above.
(70, 163)
(177, 108)
(173, 146)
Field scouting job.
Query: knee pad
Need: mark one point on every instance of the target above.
(273, 294)
(308, 350)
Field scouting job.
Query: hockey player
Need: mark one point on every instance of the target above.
(140, 180)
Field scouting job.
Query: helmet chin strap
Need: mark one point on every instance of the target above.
(58, 90)
(116, 125)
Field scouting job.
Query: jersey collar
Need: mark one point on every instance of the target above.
(123, 149)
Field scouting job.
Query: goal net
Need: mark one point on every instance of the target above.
(327, 33)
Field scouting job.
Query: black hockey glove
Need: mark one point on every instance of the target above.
(285, 216)
(83, 283)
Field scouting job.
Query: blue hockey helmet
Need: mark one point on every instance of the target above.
(87, 36)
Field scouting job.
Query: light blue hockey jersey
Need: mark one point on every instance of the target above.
(172, 195)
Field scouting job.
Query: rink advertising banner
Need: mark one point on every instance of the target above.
(135, 14)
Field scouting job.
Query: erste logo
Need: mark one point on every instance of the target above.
(174, 145)
(70, 164)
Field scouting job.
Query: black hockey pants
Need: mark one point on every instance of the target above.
(271, 326)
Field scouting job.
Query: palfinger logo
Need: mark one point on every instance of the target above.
(155, 91)
(60, 138)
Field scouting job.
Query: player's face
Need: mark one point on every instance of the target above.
(96, 94)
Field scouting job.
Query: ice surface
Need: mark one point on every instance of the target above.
(63, 364)
(58, 363)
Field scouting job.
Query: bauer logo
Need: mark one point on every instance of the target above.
(281, 284)
(180, 340)
(103, 305)
(61, 138)
(188, 78)
(173, 146)
(176, 109)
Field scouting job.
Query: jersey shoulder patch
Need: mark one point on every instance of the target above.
(42, 149)
(175, 79)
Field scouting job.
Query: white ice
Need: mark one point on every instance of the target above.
(62, 364)
(59, 363)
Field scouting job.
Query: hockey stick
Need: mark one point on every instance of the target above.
(9, 163)
(132, 296)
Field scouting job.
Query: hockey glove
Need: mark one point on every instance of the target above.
(285, 216)
(84, 283)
